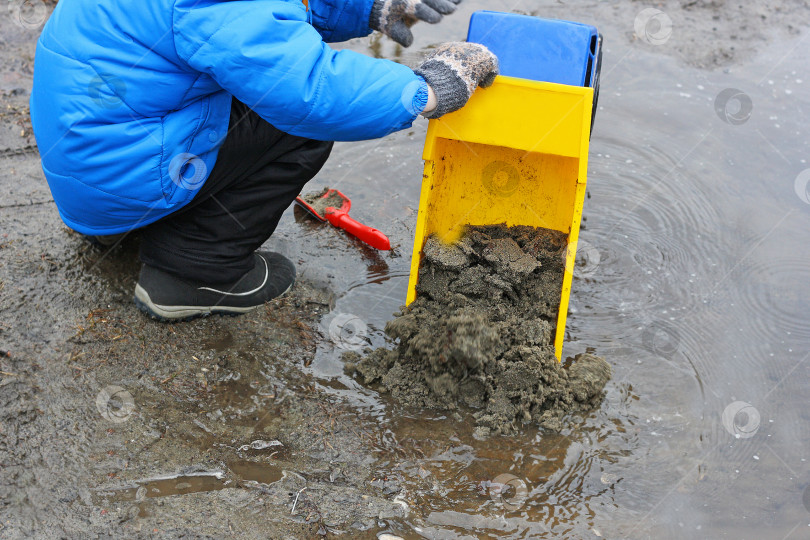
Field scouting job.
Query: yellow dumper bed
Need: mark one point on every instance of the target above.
(517, 153)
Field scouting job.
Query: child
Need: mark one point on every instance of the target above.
(199, 121)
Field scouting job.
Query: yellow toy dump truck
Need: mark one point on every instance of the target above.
(517, 153)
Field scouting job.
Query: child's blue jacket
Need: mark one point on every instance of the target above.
(131, 100)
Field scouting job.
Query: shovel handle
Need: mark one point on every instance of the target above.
(367, 234)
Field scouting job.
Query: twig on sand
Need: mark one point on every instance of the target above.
(292, 511)
(170, 377)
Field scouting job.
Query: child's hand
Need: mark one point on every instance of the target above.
(394, 17)
(453, 71)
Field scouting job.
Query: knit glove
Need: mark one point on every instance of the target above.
(453, 70)
(394, 17)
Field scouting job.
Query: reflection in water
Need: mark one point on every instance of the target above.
(249, 472)
(377, 270)
(165, 487)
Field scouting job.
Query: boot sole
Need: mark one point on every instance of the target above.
(185, 313)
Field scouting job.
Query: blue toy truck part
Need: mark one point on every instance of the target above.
(541, 49)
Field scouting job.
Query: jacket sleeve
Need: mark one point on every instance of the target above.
(265, 54)
(340, 20)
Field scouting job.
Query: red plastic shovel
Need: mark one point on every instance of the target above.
(333, 206)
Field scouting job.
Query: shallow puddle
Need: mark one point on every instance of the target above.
(692, 280)
(163, 487)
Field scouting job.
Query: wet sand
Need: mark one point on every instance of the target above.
(319, 203)
(480, 334)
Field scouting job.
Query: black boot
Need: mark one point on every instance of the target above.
(168, 297)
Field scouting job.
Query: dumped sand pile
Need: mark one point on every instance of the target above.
(480, 334)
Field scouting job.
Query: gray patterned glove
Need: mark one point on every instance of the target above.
(394, 17)
(453, 71)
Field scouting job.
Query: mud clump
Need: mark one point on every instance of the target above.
(480, 334)
(320, 203)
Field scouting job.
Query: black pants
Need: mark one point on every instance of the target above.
(258, 173)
